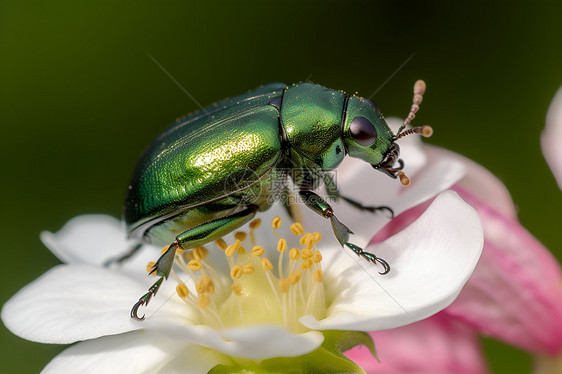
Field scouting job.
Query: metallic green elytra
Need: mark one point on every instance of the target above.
(210, 172)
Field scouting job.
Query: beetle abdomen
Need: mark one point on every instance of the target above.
(204, 161)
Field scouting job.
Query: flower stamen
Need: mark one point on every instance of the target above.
(253, 226)
(287, 293)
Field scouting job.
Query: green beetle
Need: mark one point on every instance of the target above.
(210, 172)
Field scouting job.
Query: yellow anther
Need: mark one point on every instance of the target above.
(282, 245)
(248, 269)
(284, 285)
(203, 300)
(182, 291)
(309, 244)
(200, 253)
(318, 275)
(221, 244)
(276, 223)
(236, 272)
(294, 254)
(189, 255)
(150, 266)
(307, 264)
(180, 251)
(305, 237)
(237, 288)
(164, 249)
(194, 265)
(231, 249)
(199, 287)
(266, 264)
(210, 287)
(240, 235)
(306, 254)
(241, 250)
(316, 256)
(205, 284)
(258, 251)
(295, 276)
(255, 224)
(316, 237)
(297, 229)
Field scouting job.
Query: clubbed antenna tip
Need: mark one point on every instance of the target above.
(426, 131)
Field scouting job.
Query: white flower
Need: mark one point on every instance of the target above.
(551, 137)
(245, 311)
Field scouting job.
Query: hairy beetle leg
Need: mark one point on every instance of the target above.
(370, 257)
(372, 209)
(317, 204)
(119, 259)
(191, 238)
(334, 193)
(162, 268)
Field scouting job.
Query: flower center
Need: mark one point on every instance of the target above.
(259, 289)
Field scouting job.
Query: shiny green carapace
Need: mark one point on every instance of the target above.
(212, 171)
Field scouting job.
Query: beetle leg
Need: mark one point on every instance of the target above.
(119, 259)
(370, 257)
(215, 229)
(162, 268)
(317, 204)
(145, 299)
(192, 238)
(333, 192)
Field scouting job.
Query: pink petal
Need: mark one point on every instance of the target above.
(515, 292)
(551, 137)
(437, 345)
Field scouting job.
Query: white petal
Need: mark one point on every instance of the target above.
(253, 342)
(436, 177)
(95, 238)
(431, 260)
(73, 302)
(433, 179)
(134, 352)
(89, 239)
(551, 138)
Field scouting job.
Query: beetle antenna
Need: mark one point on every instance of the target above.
(419, 90)
(425, 131)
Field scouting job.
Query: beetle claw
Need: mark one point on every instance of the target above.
(387, 208)
(145, 299)
(135, 309)
(374, 259)
(370, 257)
(384, 264)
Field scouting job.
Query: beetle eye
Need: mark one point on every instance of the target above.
(363, 131)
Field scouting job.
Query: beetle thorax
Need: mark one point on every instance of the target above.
(312, 118)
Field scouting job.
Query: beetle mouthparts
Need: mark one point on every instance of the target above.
(394, 172)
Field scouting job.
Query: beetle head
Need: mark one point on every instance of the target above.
(368, 137)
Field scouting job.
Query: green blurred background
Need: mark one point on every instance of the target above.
(80, 99)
